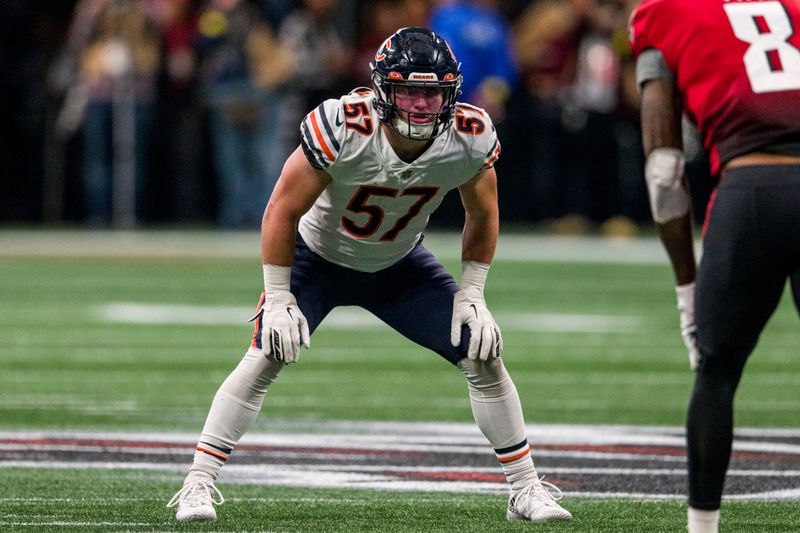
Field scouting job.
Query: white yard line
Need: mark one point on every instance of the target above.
(353, 318)
(374, 477)
(64, 523)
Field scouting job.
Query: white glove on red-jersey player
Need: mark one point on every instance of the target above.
(685, 294)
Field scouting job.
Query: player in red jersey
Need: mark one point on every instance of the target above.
(733, 68)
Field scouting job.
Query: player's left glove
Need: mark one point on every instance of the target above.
(685, 294)
(469, 307)
(284, 329)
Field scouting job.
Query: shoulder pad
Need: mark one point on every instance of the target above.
(358, 115)
(320, 132)
(475, 126)
(326, 130)
(644, 23)
(361, 91)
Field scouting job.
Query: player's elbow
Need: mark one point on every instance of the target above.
(279, 214)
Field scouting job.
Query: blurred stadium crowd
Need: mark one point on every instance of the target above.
(129, 112)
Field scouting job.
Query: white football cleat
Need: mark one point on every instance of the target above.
(536, 503)
(195, 500)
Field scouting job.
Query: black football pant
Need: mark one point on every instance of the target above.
(751, 246)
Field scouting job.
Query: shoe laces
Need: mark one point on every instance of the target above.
(195, 493)
(544, 489)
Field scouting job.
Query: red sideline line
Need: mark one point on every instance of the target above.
(448, 476)
(106, 443)
(615, 448)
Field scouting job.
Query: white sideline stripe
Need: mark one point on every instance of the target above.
(351, 318)
(247, 245)
(624, 495)
(788, 494)
(97, 465)
(387, 434)
(302, 454)
(75, 524)
(268, 473)
(34, 499)
(756, 496)
(253, 499)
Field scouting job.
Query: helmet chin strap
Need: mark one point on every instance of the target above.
(417, 132)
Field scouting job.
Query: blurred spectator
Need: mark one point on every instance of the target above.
(276, 11)
(572, 153)
(584, 155)
(179, 185)
(176, 23)
(481, 40)
(533, 140)
(118, 71)
(244, 70)
(379, 19)
(323, 60)
(588, 114)
(20, 96)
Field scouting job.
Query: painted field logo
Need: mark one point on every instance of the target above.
(592, 461)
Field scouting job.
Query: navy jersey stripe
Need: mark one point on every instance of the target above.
(309, 148)
(312, 159)
(327, 125)
(489, 153)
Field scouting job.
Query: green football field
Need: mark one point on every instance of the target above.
(133, 332)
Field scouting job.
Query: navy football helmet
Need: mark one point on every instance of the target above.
(415, 59)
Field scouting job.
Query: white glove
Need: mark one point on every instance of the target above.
(470, 308)
(284, 329)
(685, 295)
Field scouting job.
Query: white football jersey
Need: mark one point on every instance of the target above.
(375, 208)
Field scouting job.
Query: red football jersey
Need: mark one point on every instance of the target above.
(736, 64)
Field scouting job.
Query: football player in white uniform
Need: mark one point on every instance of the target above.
(344, 227)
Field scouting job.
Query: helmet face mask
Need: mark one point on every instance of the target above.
(416, 81)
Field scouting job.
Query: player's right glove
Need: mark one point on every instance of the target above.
(469, 308)
(685, 294)
(284, 329)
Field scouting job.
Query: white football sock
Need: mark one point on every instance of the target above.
(498, 413)
(235, 406)
(703, 521)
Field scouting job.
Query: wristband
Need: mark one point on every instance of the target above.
(685, 294)
(473, 274)
(277, 278)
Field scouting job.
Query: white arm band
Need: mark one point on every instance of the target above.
(685, 295)
(663, 172)
(277, 278)
(473, 274)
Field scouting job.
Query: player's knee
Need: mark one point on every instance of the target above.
(487, 377)
(721, 374)
(454, 354)
(723, 354)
